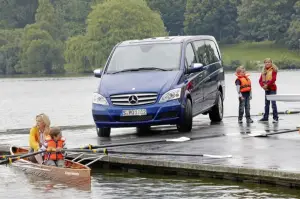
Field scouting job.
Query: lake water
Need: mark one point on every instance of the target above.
(68, 102)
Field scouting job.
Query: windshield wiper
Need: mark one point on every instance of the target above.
(142, 68)
(154, 68)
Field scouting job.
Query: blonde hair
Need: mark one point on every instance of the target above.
(273, 65)
(46, 121)
(240, 69)
(55, 131)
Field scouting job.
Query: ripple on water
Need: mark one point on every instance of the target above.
(15, 184)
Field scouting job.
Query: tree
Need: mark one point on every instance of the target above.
(293, 32)
(72, 15)
(109, 23)
(172, 13)
(260, 20)
(17, 13)
(10, 48)
(212, 17)
(41, 54)
(47, 19)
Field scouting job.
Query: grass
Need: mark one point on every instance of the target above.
(256, 51)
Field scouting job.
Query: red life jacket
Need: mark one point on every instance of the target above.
(245, 83)
(53, 144)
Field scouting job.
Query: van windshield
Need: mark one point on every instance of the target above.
(145, 57)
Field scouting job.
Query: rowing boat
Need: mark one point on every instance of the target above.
(284, 97)
(73, 173)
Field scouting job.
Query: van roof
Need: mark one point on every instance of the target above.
(167, 39)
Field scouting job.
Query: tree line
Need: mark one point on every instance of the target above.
(58, 36)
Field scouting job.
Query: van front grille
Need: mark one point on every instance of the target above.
(133, 99)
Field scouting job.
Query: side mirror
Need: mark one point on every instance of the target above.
(97, 73)
(196, 67)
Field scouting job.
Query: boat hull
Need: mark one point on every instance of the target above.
(74, 173)
(284, 97)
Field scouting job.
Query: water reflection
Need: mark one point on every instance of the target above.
(109, 184)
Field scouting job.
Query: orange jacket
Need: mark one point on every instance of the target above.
(245, 83)
(52, 146)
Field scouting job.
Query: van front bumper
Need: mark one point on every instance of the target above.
(157, 114)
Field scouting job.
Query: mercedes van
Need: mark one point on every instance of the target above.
(159, 81)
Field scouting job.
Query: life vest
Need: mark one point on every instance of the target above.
(52, 144)
(267, 76)
(245, 83)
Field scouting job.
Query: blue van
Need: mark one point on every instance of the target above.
(159, 81)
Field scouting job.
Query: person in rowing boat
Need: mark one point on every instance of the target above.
(37, 136)
(54, 144)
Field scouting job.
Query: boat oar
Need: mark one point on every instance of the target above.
(106, 152)
(167, 153)
(181, 139)
(264, 134)
(11, 159)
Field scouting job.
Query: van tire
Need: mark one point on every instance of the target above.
(216, 113)
(103, 132)
(186, 122)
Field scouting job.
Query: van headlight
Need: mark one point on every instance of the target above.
(99, 99)
(171, 95)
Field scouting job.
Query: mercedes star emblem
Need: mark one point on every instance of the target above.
(133, 99)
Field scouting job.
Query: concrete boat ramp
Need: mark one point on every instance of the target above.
(274, 159)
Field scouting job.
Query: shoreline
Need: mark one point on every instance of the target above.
(91, 74)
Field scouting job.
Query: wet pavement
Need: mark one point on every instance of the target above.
(280, 152)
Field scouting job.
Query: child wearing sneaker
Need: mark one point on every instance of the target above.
(243, 86)
(267, 82)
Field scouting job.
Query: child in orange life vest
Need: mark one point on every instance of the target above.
(243, 86)
(54, 143)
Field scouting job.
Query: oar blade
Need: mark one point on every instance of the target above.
(217, 156)
(181, 139)
(258, 134)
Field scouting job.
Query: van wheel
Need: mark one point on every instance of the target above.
(103, 132)
(186, 122)
(216, 113)
(143, 130)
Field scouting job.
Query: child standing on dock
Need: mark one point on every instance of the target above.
(243, 86)
(54, 144)
(267, 81)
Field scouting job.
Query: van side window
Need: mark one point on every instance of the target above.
(212, 51)
(201, 53)
(190, 56)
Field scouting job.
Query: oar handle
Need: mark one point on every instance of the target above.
(11, 159)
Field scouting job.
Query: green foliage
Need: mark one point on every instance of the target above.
(78, 54)
(72, 15)
(172, 13)
(108, 24)
(10, 47)
(17, 13)
(47, 19)
(212, 17)
(37, 36)
(41, 54)
(293, 32)
(264, 20)
(252, 55)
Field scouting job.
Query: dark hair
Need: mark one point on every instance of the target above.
(55, 131)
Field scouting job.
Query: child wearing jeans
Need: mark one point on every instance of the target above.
(54, 143)
(267, 81)
(243, 86)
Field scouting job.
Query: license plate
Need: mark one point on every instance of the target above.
(135, 112)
